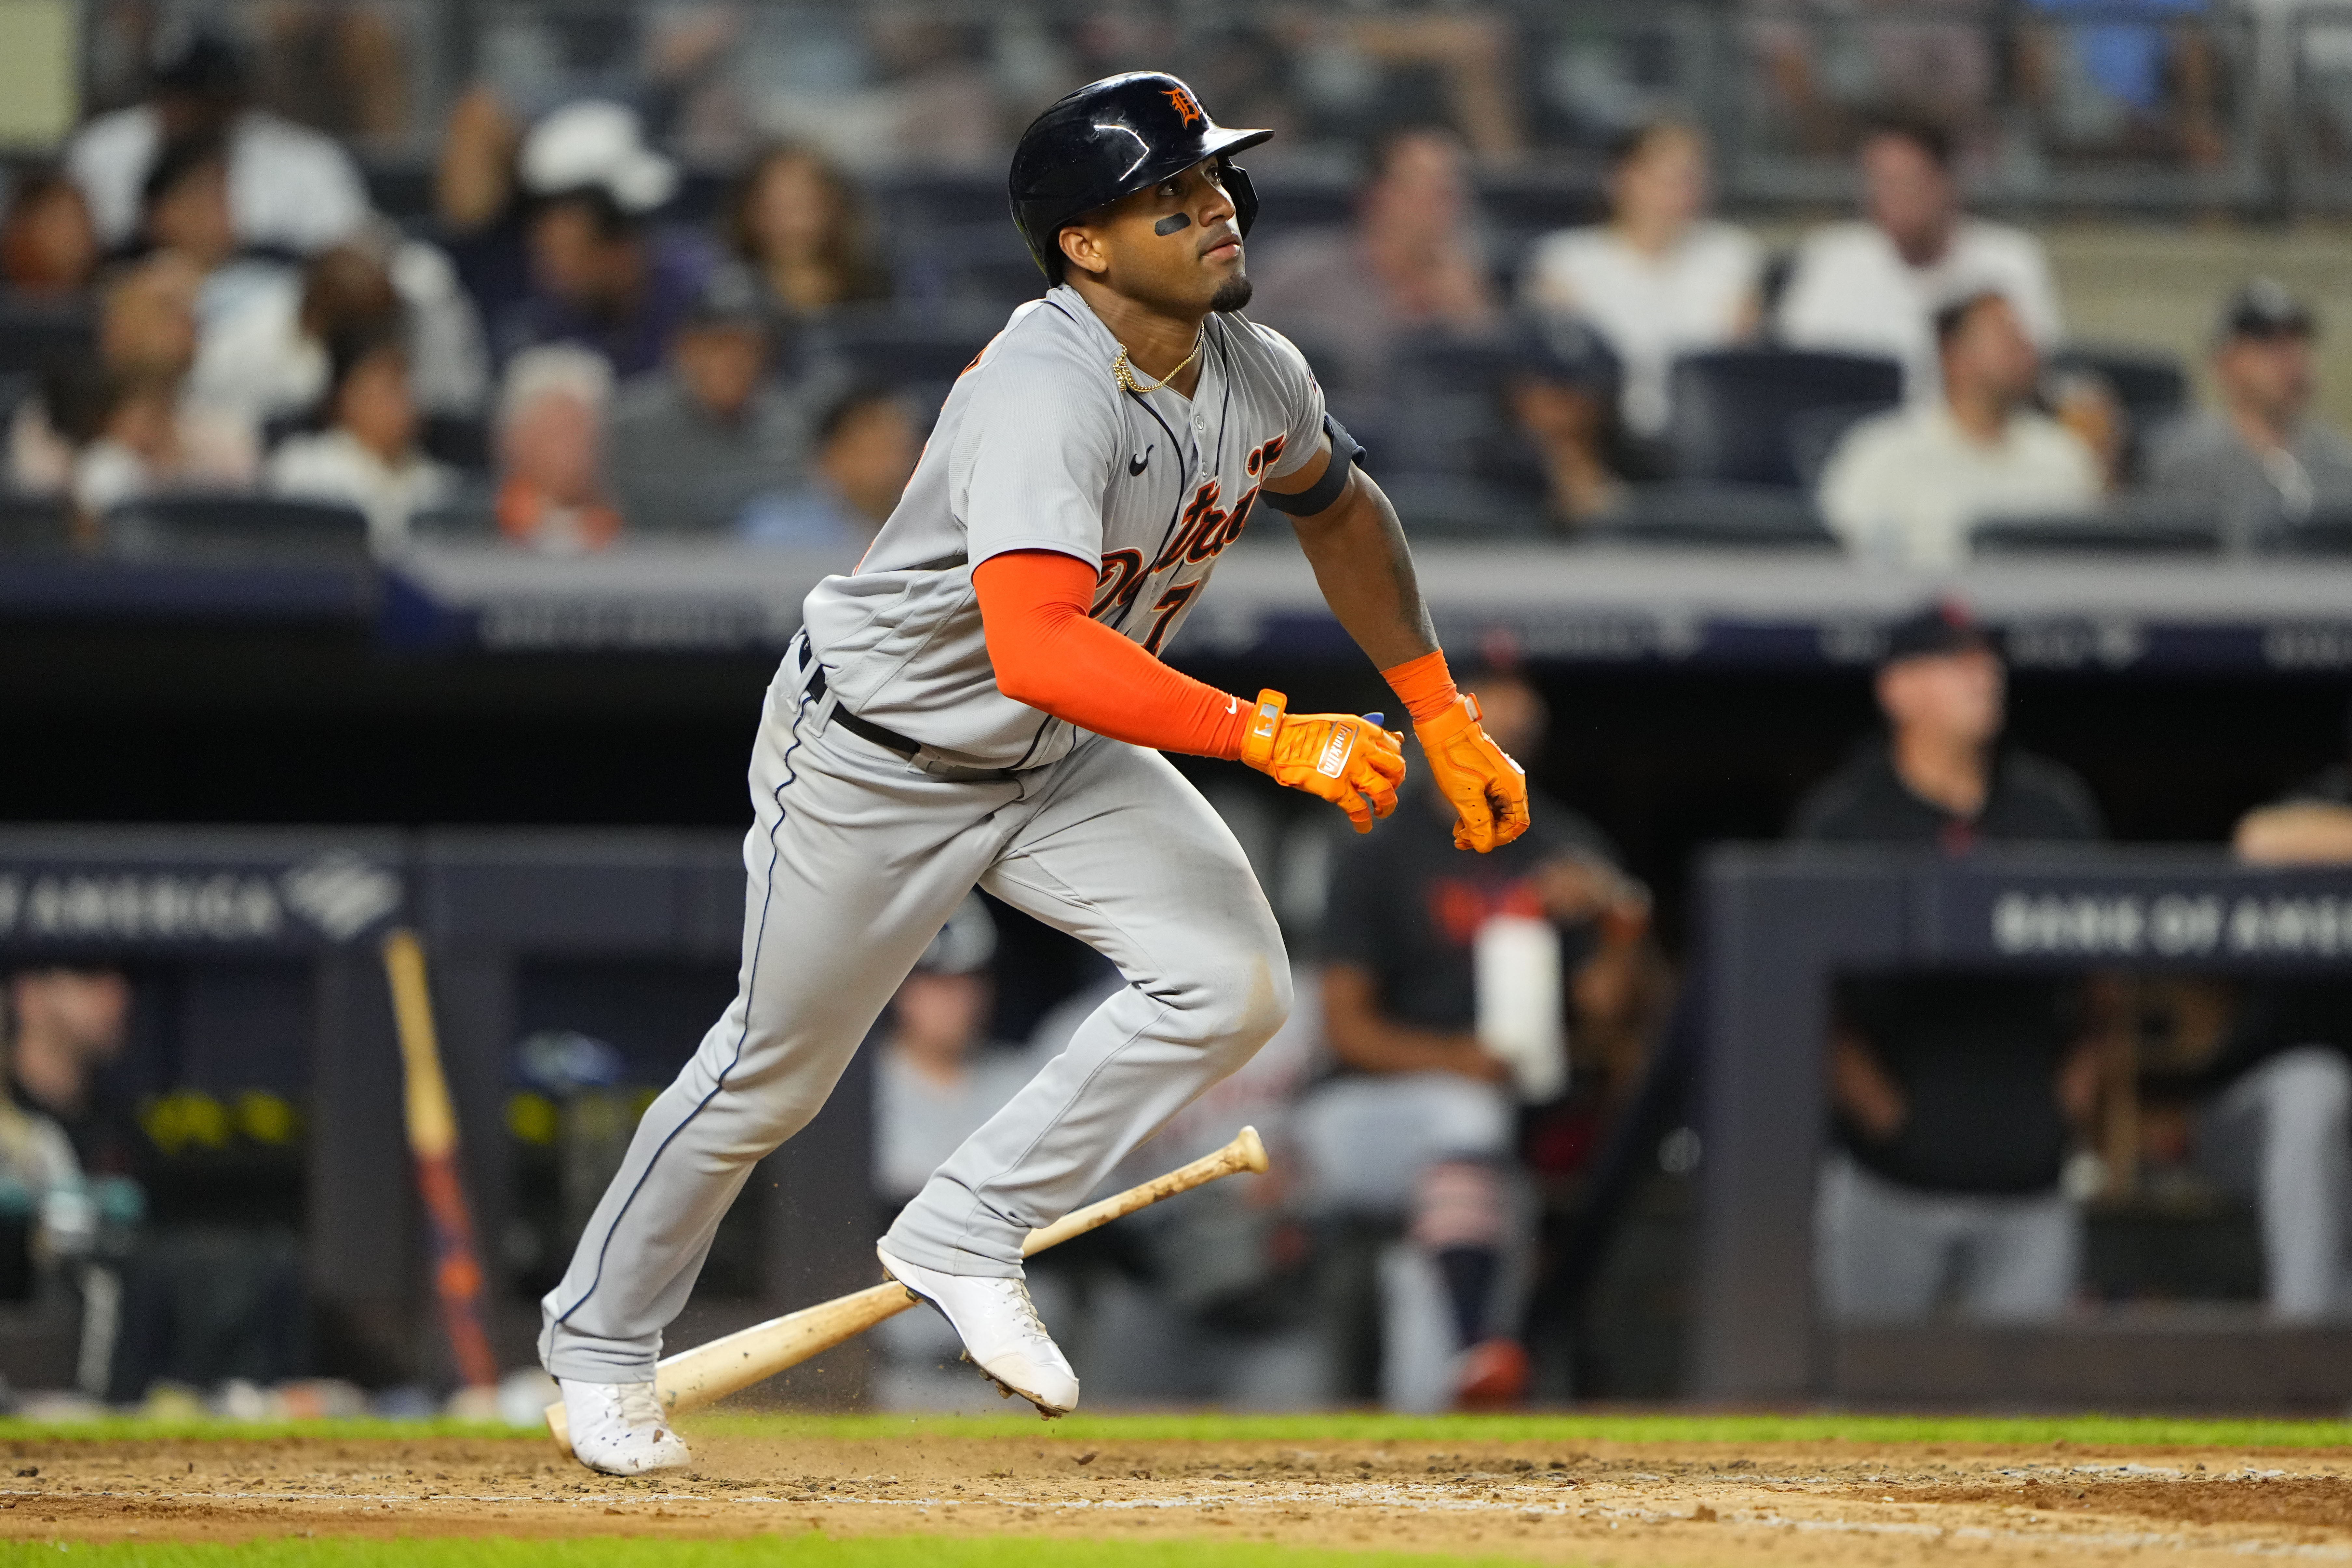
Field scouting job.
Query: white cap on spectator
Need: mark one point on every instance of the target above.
(597, 146)
(564, 368)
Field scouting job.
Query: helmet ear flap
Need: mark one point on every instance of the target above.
(1244, 194)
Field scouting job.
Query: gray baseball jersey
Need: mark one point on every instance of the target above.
(1038, 449)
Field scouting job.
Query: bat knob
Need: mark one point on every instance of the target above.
(1253, 1150)
(1377, 717)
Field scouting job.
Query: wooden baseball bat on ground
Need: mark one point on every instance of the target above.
(432, 1124)
(707, 1373)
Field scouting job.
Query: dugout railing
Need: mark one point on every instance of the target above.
(257, 965)
(1778, 925)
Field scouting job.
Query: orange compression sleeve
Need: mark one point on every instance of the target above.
(1050, 654)
(1422, 684)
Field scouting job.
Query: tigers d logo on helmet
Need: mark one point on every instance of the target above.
(1186, 109)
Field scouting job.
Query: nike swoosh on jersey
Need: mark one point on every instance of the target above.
(1134, 464)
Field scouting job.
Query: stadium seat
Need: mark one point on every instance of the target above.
(2127, 532)
(2151, 386)
(33, 336)
(233, 528)
(1814, 435)
(1735, 409)
(35, 525)
(1735, 515)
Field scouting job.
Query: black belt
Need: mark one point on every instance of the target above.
(888, 739)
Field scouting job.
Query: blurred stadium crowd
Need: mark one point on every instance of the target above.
(697, 272)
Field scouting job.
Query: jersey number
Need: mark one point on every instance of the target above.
(1163, 614)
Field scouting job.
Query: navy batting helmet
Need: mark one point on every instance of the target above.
(1110, 138)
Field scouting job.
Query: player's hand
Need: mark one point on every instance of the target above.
(1350, 761)
(1488, 789)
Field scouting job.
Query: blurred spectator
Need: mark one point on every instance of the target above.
(797, 223)
(1410, 265)
(242, 299)
(2134, 77)
(289, 188)
(48, 247)
(1418, 1126)
(1572, 455)
(1829, 60)
(273, 357)
(1904, 487)
(690, 446)
(128, 423)
(1355, 59)
(367, 456)
(866, 446)
(601, 275)
(1660, 278)
(2261, 461)
(65, 1025)
(1874, 287)
(1952, 1093)
(476, 201)
(552, 409)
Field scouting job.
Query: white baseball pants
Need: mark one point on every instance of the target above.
(856, 859)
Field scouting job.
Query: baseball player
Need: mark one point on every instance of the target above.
(981, 704)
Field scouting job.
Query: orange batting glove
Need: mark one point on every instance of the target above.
(1352, 763)
(1488, 789)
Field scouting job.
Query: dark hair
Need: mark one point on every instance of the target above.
(848, 407)
(612, 222)
(180, 158)
(1627, 145)
(353, 346)
(845, 252)
(1951, 317)
(1931, 136)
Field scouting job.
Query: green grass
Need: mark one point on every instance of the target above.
(811, 1551)
(1305, 1430)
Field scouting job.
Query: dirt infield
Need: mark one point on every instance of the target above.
(1600, 1502)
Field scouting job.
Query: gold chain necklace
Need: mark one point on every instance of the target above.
(1124, 372)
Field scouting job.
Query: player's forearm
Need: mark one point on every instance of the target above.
(1047, 653)
(1364, 567)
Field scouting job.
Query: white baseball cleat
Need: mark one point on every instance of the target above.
(1000, 1329)
(619, 1429)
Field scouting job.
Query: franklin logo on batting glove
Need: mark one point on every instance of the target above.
(1352, 763)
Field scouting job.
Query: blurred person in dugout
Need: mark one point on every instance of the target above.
(551, 495)
(2261, 461)
(866, 447)
(1904, 488)
(1412, 264)
(1454, 992)
(1874, 287)
(68, 1144)
(937, 1077)
(2277, 1126)
(128, 423)
(290, 189)
(690, 446)
(602, 273)
(1954, 1097)
(1660, 278)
